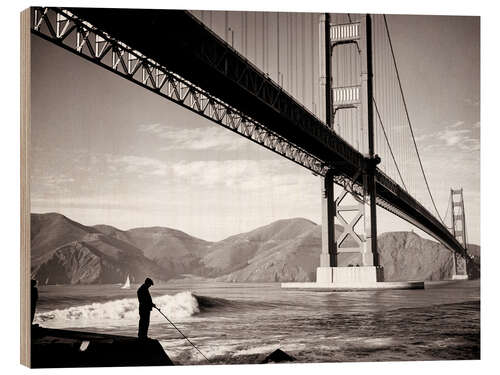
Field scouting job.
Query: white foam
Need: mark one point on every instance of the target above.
(119, 312)
(379, 342)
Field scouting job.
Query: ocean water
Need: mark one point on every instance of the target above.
(241, 323)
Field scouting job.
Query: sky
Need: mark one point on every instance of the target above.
(107, 151)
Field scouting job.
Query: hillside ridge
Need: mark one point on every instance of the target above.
(67, 252)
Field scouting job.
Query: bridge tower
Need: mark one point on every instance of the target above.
(352, 259)
(459, 231)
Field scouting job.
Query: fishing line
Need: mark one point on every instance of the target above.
(188, 340)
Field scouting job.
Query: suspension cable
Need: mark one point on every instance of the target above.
(388, 143)
(408, 118)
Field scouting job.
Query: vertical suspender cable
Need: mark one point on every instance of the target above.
(268, 69)
(313, 64)
(245, 32)
(278, 47)
(292, 54)
(225, 26)
(266, 38)
(409, 121)
(263, 43)
(288, 54)
(255, 37)
(303, 53)
(296, 53)
(290, 41)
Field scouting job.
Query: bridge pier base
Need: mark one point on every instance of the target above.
(459, 268)
(460, 277)
(352, 278)
(349, 276)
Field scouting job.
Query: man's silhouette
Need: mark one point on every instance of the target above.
(145, 306)
(34, 299)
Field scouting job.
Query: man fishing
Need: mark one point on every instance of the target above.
(145, 306)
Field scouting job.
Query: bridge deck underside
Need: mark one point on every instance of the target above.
(186, 47)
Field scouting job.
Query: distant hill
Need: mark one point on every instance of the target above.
(175, 251)
(270, 253)
(406, 255)
(66, 252)
(49, 231)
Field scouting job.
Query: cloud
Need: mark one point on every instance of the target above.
(470, 144)
(204, 138)
(75, 173)
(57, 183)
(151, 128)
(137, 164)
(243, 174)
(452, 136)
(456, 125)
(423, 137)
(456, 135)
(106, 200)
(462, 139)
(472, 102)
(116, 165)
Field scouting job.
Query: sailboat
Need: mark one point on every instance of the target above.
(127, 283)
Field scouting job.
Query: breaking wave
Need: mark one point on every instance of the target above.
(177, 306)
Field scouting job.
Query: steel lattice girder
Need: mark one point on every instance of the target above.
(283, 126)
(59, 25)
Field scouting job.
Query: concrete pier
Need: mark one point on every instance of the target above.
(349, 275)
(345, 287)
(352, 278)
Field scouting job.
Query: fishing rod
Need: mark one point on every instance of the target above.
(173, 325)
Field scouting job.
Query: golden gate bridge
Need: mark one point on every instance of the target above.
(322, 90)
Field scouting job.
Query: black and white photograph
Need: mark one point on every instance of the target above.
(218, 187)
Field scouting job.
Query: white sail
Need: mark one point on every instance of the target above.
(127, 283)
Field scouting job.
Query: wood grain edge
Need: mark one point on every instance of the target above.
(25, 273)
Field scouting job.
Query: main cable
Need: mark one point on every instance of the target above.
(408, 118)
(388, 144)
